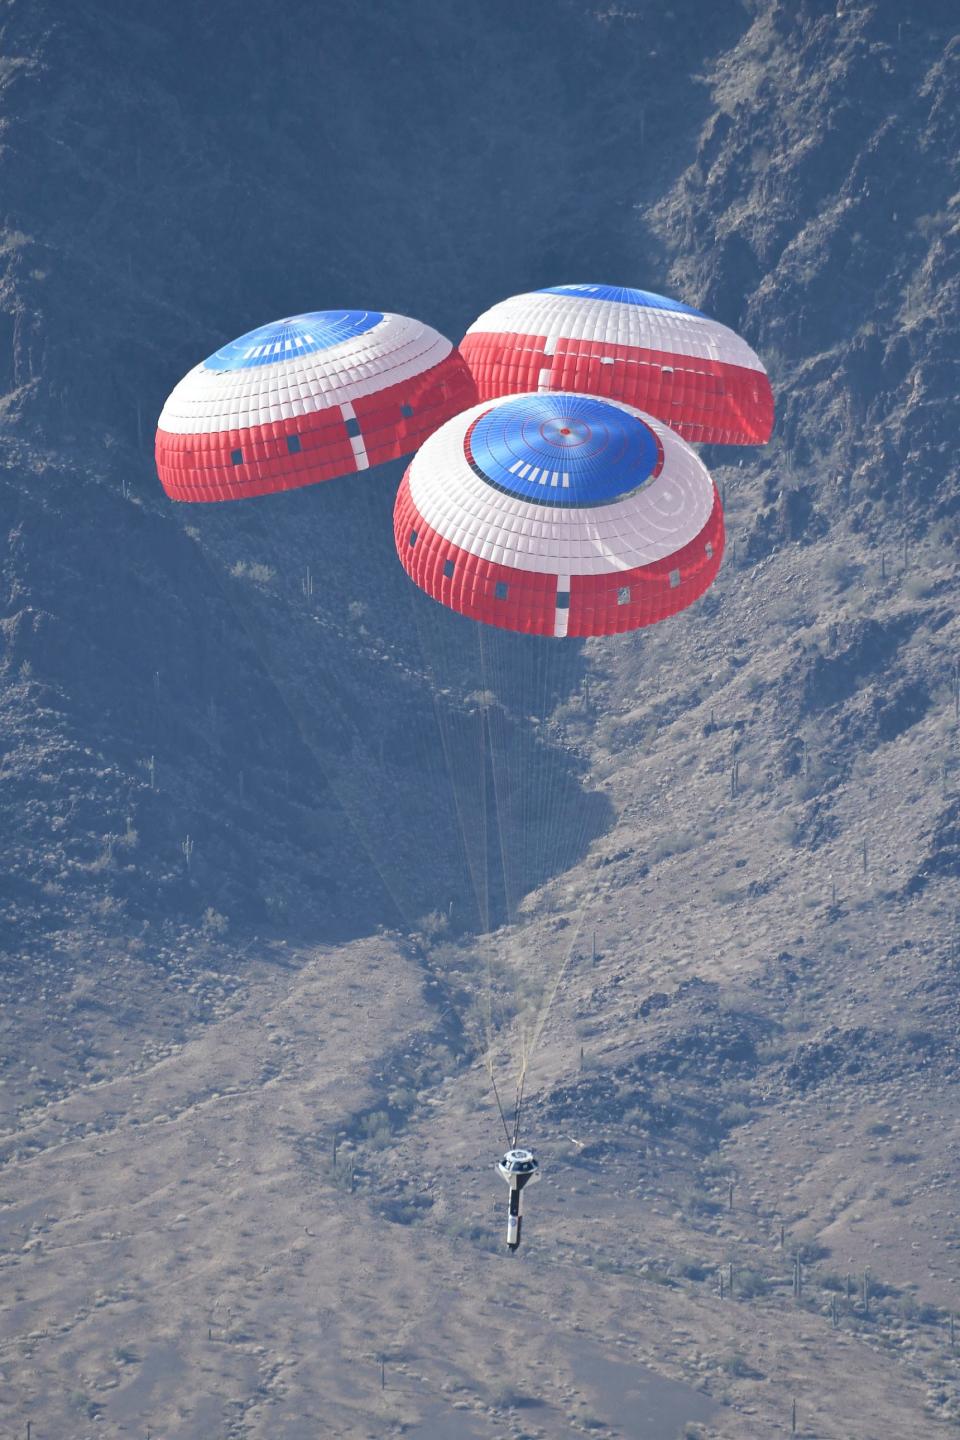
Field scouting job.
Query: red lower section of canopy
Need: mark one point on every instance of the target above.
(705, 401)
(524, 600)
(305, 449)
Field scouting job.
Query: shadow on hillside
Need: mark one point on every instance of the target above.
(424, 739)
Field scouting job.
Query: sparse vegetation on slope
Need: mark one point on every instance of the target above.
(245, 1178)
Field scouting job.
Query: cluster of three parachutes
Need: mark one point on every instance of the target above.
(553, 491)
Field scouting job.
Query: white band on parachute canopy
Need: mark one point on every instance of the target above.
(207, 401)
(616, 322)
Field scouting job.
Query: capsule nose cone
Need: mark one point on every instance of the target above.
(518, 1166)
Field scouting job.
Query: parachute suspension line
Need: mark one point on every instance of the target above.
(496, 1094)
(519, 1106)
(479, 884)
(433, 688)
(521, 670)
(483, 750)
(466, 777)
(505, 787)
(534, 791)
(462, 776)
(524, 808)
(545, 1011)
(542, 1019)
(436, 658)
(487, 775)
(546, 787)
(553, 832)
(497, 752)
(508, 899)
(483, 737)
(558, 837)
(516, 786)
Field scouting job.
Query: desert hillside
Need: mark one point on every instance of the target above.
(286, 847)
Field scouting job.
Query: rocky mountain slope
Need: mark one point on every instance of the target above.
(235, 744)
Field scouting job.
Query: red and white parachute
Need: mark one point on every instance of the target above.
(645, 350)
(559, 515)
(306, 399)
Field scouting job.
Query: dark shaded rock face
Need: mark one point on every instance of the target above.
(942, 857)
(858, 652)
(863, 1054)
(688, 1077)
(234, 710)
(838, 1052)
(828, 194)
(886, 713)
(793, 517)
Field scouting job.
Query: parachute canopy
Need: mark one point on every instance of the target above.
(629, 345)
(559, 515)
(305, 399)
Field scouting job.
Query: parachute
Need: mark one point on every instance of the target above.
(306, 399)
(645, 350)
(553, 493)
(559, 515)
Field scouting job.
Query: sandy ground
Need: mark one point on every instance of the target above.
(182, 1256)
(180, 1259)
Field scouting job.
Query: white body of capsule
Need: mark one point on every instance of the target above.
(518, 1168)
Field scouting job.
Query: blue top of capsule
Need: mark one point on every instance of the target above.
(623, 295)
(297, 335)
(562, 449)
